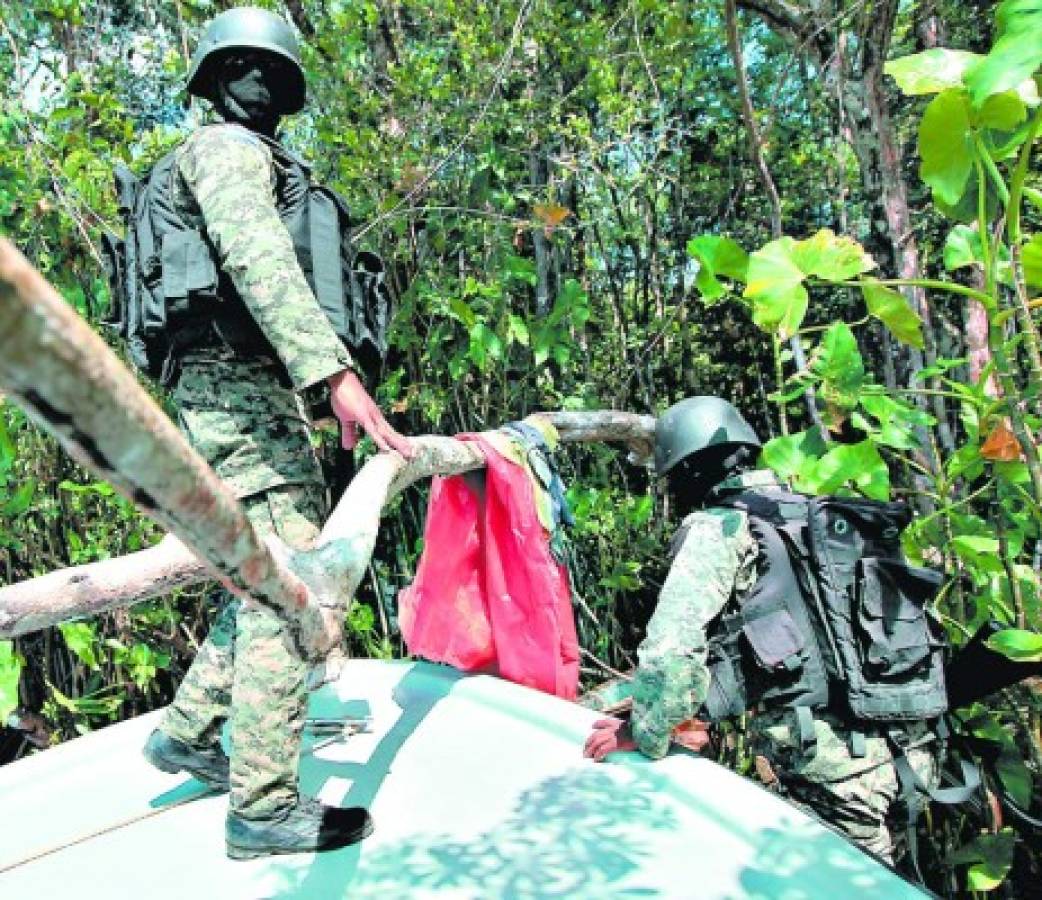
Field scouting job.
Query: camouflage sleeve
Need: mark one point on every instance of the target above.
(672, 677)
(229, 173)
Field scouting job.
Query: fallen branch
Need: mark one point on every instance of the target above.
(74, 386)
(65, 376)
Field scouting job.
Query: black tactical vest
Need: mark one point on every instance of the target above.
(169, 291)
(837, 618)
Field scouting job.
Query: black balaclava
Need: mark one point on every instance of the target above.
(692, 480)
(247, 92)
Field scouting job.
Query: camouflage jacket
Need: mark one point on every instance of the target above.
(242, 415)
(716, 561)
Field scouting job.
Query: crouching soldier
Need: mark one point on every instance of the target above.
(800, 610)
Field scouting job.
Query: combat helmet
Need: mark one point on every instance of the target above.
(247, 27)
(697, 425)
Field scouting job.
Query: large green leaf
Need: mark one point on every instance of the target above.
(775, 287)
(931, 71)
(777, 272)
(1015, 56)
(893, 311)
(830, 257)
(1031, 259)
(10, 672)
(858, 464)
(791, 454)
(946, 146)
(717, 256)
(1017, 644)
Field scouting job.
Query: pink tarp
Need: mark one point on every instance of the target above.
(489, 595)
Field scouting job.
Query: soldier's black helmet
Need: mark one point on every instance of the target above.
(248, 28)
(700, 427)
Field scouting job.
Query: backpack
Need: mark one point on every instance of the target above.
(837, 618)
(168, 291)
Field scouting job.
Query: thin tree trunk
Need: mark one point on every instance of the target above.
(752, 131)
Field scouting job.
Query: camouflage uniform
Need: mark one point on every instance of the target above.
(716, 561)
(244, 417)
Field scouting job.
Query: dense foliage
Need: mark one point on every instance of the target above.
(579, 214)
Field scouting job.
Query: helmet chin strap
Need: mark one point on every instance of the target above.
(230, 109)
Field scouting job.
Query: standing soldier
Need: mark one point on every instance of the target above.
(734, 631)
(240, 248)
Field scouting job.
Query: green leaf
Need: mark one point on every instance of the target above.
(1014, 57)
(717, 256)
(893, 311)
(80, 638)
(20, 501)
(830, 257)
(484, 345)
(946, 146)
(931, 71)
(1031, 259)
(991, 856)
(962, 248)
(1035, 196)
(1015, 775)
(462, 312)
(973, 543)
(521, 268)
(7, 448)
(858, 463)
(517, 331)
(1003, 112)
(838, 362)
(789, 455)
(775, 287)
(10, 673)
(965, 210)
(896, 422)
(1017, 644)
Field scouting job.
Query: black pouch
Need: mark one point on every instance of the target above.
(775, 641)
(895, 633)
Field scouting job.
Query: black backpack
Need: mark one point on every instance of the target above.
(168, 291)
(837, 618)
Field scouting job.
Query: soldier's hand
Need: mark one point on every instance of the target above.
(608, 736)
(353, 406)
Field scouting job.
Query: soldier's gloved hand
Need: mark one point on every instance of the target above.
(608, 736)
(353, 406)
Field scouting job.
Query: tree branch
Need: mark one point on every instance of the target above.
(72, 383)
(788, 19)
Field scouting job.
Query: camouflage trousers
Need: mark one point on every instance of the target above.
(250, 673)
(858, 795)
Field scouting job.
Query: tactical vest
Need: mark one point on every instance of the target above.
(837, 618)
(169, 292)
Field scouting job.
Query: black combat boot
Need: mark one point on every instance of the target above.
(208, 764)
(306, 827)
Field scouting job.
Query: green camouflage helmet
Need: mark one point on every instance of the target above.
(246, 27)
(697, 424)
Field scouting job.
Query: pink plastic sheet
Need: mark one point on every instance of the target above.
(489, 595)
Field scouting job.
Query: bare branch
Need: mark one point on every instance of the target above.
(788, 19)
(73, 385)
